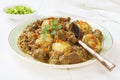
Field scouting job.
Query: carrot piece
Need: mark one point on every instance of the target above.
(92, 37)
(37, 44)
(81, 22)
(93, 45)
(58, 40)
(66, 35)
(44, 49)
(34, 35)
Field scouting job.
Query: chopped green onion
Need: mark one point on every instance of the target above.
(19, 10)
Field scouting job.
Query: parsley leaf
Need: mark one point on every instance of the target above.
(44, 31)
(54, 25)
(53, 32)
(58, 27)
(54, 22)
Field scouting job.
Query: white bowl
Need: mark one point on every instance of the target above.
(107, 45)
(20, 16)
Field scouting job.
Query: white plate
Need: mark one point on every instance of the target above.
(107, 45)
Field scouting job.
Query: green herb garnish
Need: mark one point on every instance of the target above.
(44, 31)
(54, 28)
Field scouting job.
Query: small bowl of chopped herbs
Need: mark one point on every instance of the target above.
(19, 12)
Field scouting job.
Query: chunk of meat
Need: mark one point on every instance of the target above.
(66, 36)
(63, 20)
(83, 54)
(71, 37)
(98, 34)
(71, 58)
(40, 55)
(68, 26)
(61, 34)
(54, 57)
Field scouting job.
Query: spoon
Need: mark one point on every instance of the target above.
(102, 60)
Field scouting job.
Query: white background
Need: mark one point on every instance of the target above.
(105, 12)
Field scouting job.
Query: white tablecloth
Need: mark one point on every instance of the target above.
(105, 12)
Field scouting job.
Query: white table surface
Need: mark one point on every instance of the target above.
(104, 12)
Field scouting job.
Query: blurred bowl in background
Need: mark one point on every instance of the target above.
(19, 12)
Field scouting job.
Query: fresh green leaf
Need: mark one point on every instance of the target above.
(59, 27)
(54, 22)
(54, 25)
(45, 30)
(53, 32)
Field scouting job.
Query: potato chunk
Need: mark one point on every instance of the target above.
(85, 28)
(44, 42)
(92, 42)
(45, 22)
(62, 46)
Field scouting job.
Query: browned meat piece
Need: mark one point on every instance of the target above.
(71, 37)
(68, 26)
(29, 28)
(83, 54)
(37, 31)
(23, 41)
(39, 22)
(98, 34)
(24, 46)
(63, 20)
(54, 57)
(40, 55)
(71, 58)
(61, 34)
(36, 24)
(66, 36)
